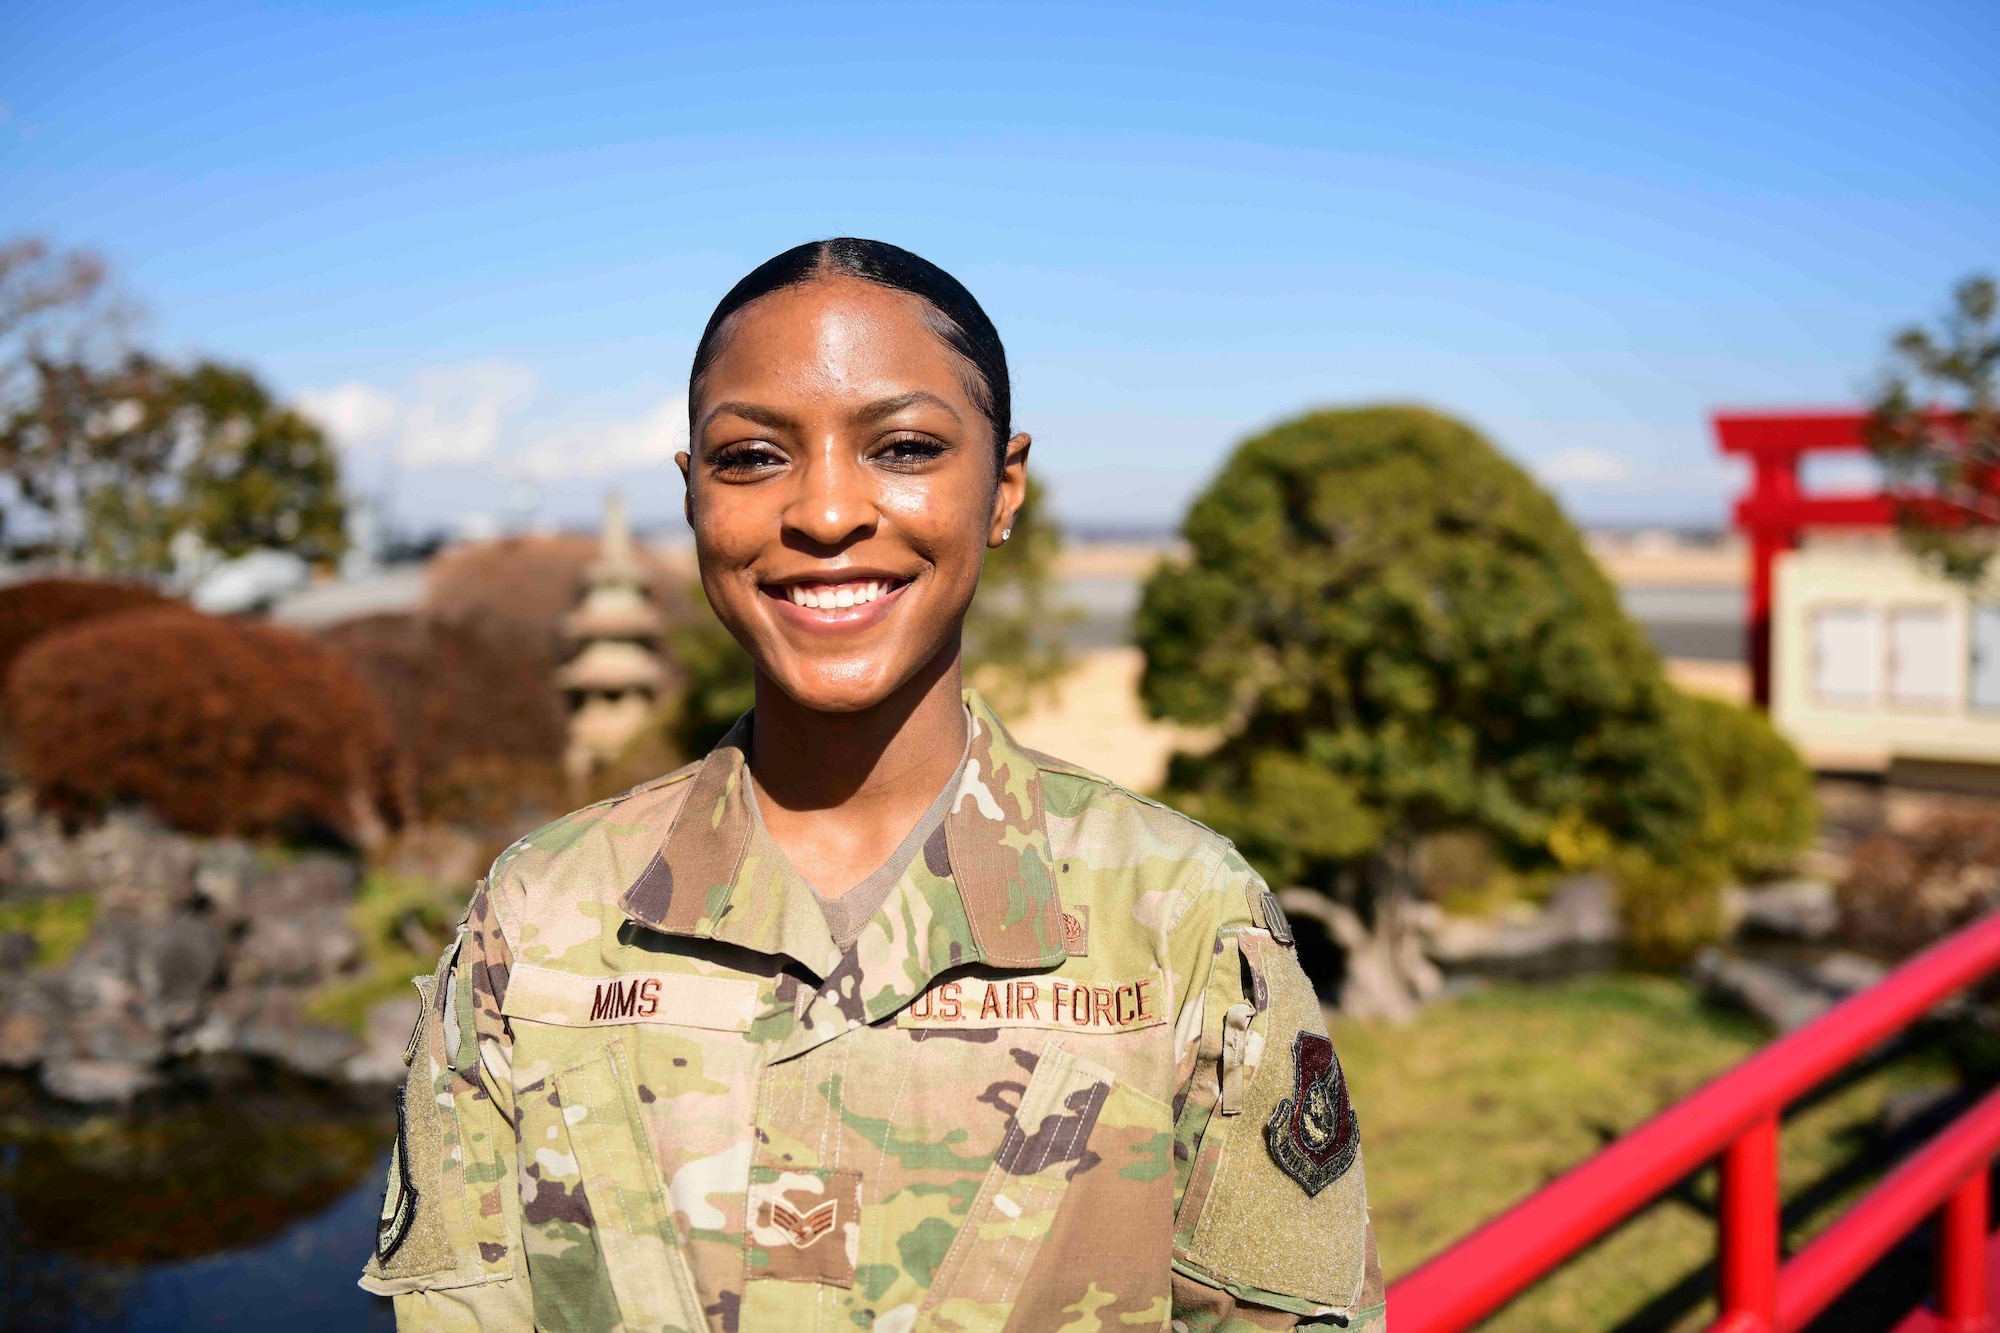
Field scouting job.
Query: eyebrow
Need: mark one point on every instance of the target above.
(888, 407)
(873, 412)
(763, 416)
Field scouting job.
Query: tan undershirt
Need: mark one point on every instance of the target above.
(849, 912)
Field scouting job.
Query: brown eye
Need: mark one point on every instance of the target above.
(745, 458)
(912, 449)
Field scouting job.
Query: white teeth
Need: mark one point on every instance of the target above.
(843, 595)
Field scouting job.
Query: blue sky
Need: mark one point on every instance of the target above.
(480, 240)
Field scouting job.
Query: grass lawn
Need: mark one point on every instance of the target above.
(1487, 1096)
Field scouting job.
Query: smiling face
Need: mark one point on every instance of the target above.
(842, 490)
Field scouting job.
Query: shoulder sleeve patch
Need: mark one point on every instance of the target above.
(1313, 1132)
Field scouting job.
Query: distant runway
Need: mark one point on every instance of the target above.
(1703, 624)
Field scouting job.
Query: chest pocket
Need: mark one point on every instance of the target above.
(606, 1186)
(1073, 1216)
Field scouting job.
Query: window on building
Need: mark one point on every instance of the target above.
(1920, 657)
(1847, 657)
(1984, 685)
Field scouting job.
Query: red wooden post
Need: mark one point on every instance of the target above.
(1961, 1257)
(1749, 1217)
(1766, 513)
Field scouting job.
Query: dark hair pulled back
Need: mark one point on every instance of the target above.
(953, 314)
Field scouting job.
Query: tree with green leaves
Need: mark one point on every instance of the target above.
(114, 452)
(1400, 634)
(1936, 429)
(1014, 645)
(261, 475)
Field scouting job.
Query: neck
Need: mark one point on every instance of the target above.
(899, 752)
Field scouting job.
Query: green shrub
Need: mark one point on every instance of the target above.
(1670, 909)
(404, 923)
(1758, 810)
(1401, 634)
(57, 925)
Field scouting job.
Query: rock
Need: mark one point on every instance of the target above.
(138, 868)
(24, 1035)
(1579, 930)
(199, 949)
(162, 970)
(381, 1057)
(1793, 909)
(1913, 1106)
(18, 950)
(1842, 974)
(1786, 993)
(311, 945)
(1772, 993)
(223, 875)
(271, 1023)
(98, 1080)
(319, 880)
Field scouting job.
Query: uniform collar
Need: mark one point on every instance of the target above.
(982, 890)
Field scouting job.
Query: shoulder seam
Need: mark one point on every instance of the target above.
(1196, 886)
(681, 774)
(1050, 764)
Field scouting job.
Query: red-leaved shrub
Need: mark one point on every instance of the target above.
(216, 726)
(34, 607)
(479, 723)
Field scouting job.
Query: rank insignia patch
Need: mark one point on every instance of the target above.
(1313, 1133)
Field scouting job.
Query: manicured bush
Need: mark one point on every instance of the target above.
(1402, 634)
(217, 726)
(33, 608)
(479, 723)
(1759, 811)
(1670, 908)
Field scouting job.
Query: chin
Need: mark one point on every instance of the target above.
(847, 683)
(846, 687)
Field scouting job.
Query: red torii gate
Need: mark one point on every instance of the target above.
(1773, 514)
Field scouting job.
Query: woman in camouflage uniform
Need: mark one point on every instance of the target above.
(871, 1019)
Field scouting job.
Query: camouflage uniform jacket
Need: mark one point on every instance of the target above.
(1070, 1076)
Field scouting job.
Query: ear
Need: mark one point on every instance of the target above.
(682, 461)
(1012, 490)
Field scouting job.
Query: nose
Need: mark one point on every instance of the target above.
(834, 505)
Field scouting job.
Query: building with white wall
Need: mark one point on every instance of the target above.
(1879, 664)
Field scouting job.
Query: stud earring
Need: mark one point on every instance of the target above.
(1005, 533)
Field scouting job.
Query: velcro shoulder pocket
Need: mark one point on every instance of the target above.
(450, 1210)
(1284, 1158)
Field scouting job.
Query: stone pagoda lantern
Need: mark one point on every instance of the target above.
(614, 681)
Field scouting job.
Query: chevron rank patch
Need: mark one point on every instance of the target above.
(1313, 1133)
(804, 1225)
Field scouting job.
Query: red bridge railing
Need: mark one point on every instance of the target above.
(1736, 1118)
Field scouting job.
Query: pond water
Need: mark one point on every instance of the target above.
(250, 1207)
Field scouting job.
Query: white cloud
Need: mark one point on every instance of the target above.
(356, 415)
(445, 415)
(1583, 466)
(456, 414)
(603, 448)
